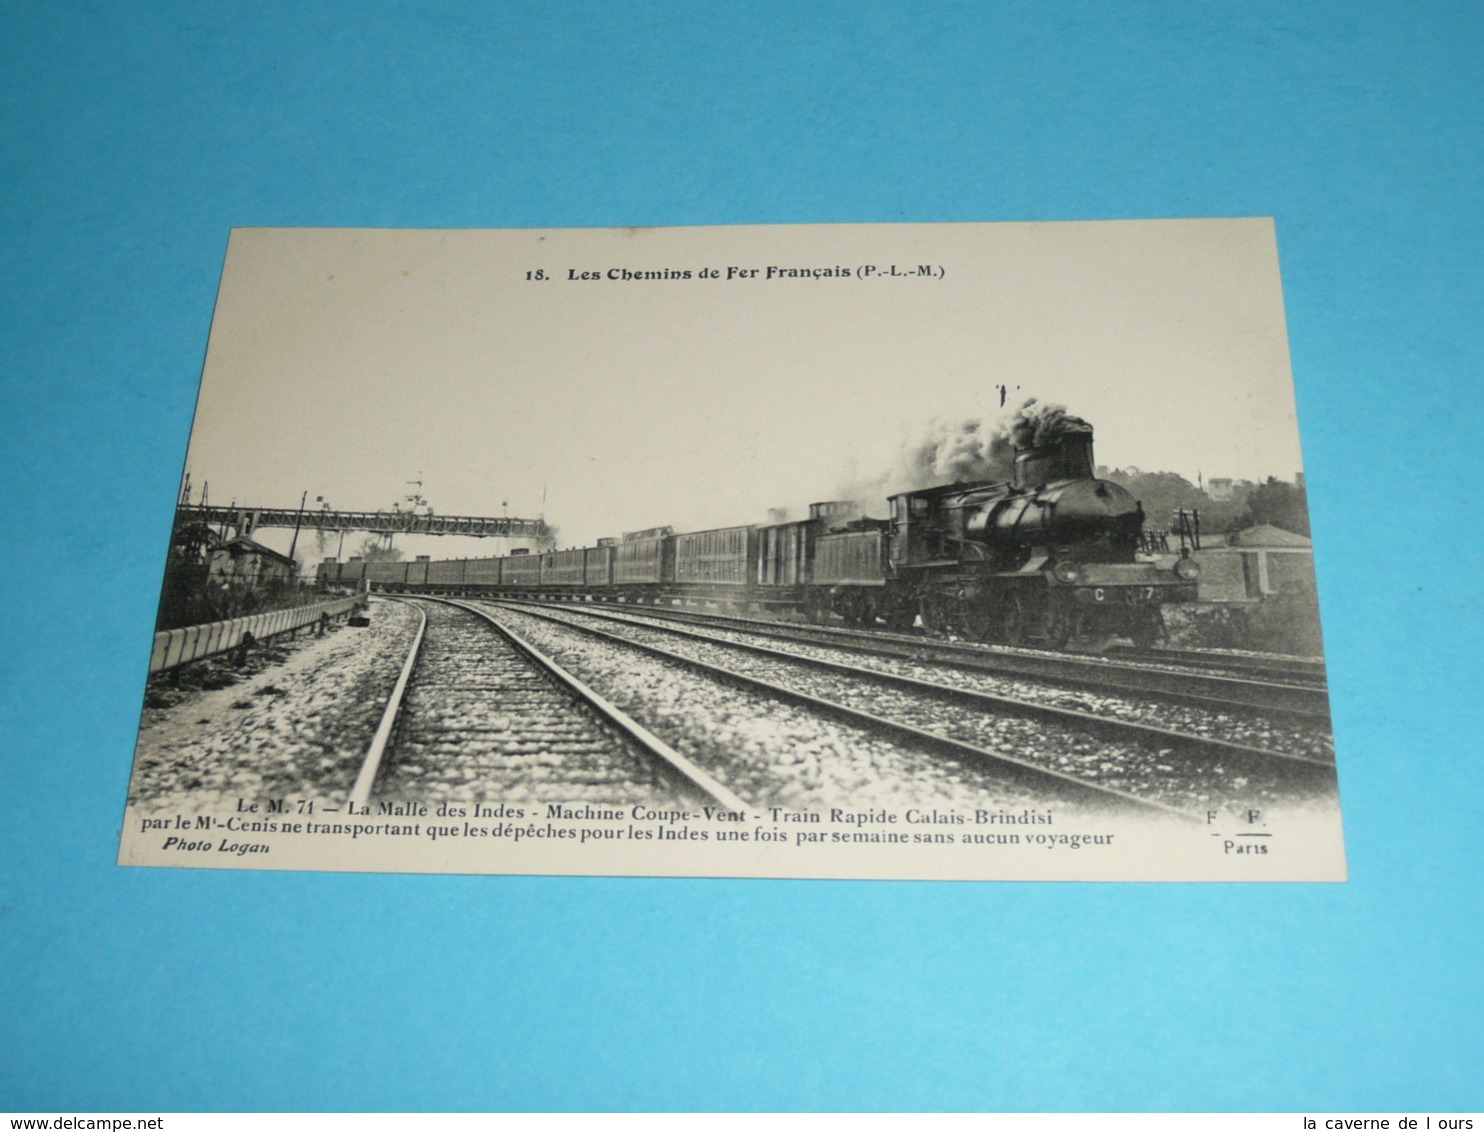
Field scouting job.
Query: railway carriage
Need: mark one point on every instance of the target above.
(482, 573)
(446, 575)
(644, 563)
(785, 554)
(597, 565)
(563, 569)
(724, 557)
(521, 572)
(384, 575)
(718, 566)
(1050, 554)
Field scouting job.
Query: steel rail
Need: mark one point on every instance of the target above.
(1306, 705)
(371, 765)
(1298, 674)
(1298, 767)
(1295, 670)
(1291, 669)
(672, 760)
(1181, 681)
(1020, 771)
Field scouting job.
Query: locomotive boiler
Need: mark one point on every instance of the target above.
(1048, 555)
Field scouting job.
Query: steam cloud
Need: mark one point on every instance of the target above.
(957, 450)
(1036, 423)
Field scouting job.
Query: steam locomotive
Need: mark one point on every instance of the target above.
(1050, 555)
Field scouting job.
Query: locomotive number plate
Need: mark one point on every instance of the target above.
(1126, 595)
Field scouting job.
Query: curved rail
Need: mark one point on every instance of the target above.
(371, 765)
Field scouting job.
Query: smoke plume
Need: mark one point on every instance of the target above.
(1036, 423)
(958, 450)
(955, 450)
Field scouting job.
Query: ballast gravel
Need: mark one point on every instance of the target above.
(1147, 771)
(482, 723)
(293, 730)
(768, 752)
(1177, 661)
(1247, 727)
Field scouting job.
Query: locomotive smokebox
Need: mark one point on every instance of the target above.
(1066, 456)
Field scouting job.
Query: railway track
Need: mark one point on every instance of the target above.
(480, 714)
(1082, 758)
(1170, 675)
(1278, 669)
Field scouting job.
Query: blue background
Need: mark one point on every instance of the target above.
(133, 136)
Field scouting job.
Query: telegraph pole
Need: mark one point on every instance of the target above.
(297, 523)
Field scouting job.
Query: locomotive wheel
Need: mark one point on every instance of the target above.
(850, 608)
(816, 608)
(1061, 627)
(900, 616)
(1012, 621)
(976, 617)
(898, 610)
(845, 607)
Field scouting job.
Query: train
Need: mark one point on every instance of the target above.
(1049, 556)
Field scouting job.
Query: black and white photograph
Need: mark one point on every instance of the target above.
(919, 551)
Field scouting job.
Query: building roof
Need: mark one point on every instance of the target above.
(1265, 534)
(244, 545)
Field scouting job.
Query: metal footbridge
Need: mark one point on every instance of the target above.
(245, 520)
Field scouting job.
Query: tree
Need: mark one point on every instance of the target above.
(186, 595)
(1161, 493)
(1282, 504)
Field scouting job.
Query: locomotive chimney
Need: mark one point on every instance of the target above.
(1064, 457)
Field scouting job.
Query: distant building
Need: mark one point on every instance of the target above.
(1256, 564)
(1219, 489)
(242, 562)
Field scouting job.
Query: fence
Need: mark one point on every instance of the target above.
(196, 642)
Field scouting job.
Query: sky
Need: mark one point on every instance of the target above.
(348, 363)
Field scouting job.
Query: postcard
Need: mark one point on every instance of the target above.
(915, 551)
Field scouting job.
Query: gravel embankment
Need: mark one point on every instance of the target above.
(1172, 660)
(297, 728)
(1146, 770)
(769, 753)
(1247, 727)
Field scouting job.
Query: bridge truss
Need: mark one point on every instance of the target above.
(245, 520)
